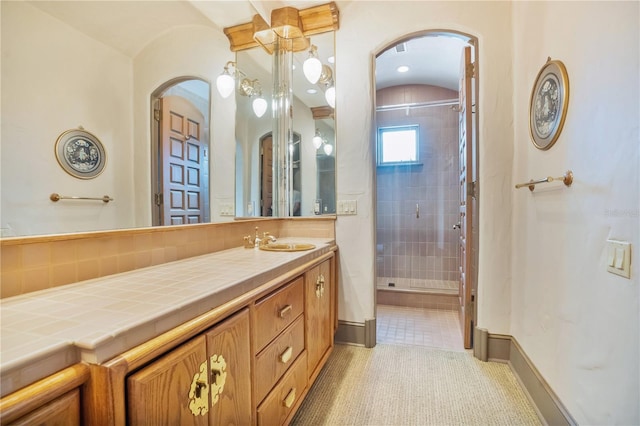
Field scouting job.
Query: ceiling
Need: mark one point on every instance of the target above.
(432, 59)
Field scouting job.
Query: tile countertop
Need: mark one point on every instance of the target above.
(95, 320)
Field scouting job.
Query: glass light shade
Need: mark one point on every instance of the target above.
(259, 106)
(328, 149)
(317, 141)
(330, 96)
(312, 68)
(225, 84)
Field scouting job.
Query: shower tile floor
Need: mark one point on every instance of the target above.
(434, 328)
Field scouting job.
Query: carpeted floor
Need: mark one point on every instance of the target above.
(413, 385)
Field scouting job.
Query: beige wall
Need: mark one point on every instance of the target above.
(579, 324)
(366, 28)
(47, 90)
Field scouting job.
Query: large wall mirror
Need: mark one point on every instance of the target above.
(312, 142)
(96, 65)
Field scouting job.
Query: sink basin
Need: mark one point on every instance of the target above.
(287, 247)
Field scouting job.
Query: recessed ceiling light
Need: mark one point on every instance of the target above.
(402, 68)
(331, 59)
(312, 91)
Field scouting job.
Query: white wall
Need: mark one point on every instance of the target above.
(55, 79)
(194, 51)
(578, 323)
(361, 36)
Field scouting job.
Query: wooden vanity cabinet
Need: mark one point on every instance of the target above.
(62, 411)
(280, 378)
(319, 311)
(52, 401)
(250, 361)
(206, 380)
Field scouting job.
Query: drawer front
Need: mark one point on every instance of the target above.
(278, 405)
(277, 311)
(277, 357)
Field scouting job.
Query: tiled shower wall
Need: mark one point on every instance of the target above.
(419, 251)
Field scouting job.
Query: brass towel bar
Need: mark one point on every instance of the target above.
(57, 197)
(567, 179)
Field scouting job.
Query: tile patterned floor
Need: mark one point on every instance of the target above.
(421, 327)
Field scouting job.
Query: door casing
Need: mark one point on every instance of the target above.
(475, 164)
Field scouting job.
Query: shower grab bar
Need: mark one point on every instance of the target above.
(417, 211)
(567, 179)
(57, 197)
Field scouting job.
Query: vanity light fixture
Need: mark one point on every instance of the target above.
(259, 106)
(326, 79)
(225, 81)
(312, 67)
(247, 87)
(330, 96)
(328, 148)
(317, 140)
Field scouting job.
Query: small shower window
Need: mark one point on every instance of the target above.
(398, 145)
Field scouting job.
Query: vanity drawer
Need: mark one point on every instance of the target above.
(277, 406)
(277, 357)
(275, 312)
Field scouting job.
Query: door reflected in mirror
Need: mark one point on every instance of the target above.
(311, 167)
(181, 152)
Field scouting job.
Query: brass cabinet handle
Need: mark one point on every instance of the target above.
(286, 355)
(218, 376)
(199, 392)
(284, 311)
(200, 385)
(290, 399)
(320, 286)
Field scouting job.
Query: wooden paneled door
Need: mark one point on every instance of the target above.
(183, 162)
(266, 176)
(466, 191)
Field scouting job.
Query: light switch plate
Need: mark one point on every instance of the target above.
(347, 207)
(226, 209)
(619, 258)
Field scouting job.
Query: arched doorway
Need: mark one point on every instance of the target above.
(426, 183)
(180, 152)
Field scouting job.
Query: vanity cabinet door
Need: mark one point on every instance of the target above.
(229, 355)
(319, 327)
(62, 411)
(159, 394)
(206, 380)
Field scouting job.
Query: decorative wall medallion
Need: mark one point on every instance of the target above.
(548, 104)
(80, 153)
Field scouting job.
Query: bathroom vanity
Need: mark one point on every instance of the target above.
(235, 337)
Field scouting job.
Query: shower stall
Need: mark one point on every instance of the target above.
(417, 236)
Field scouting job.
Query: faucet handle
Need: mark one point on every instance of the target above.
(248, 243)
